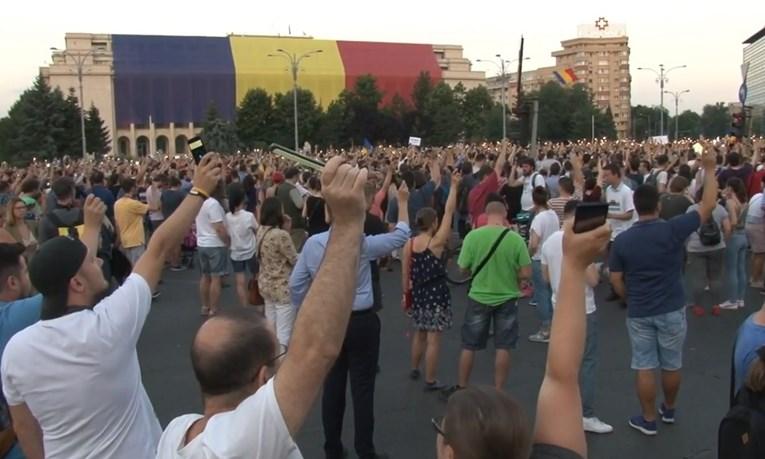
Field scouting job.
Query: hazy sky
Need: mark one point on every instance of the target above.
(672, 32)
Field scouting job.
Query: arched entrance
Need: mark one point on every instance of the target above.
(181, 143)
(123, 146)
(142, 146)
(162, 145)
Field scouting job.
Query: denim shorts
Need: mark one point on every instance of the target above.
(213, 260)
(244, 265)
(657, 341)
(478, 319)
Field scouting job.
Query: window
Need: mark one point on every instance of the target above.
(439, 55)
(602, 62)
(99, 45)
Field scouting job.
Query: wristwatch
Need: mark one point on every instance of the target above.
(197, 192)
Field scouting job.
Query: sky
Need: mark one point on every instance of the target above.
(669, 32)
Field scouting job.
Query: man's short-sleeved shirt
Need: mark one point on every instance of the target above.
(255, 429)
(651, 257)
(79, 376)
(497, 282)
(552, 257)
(619, 201)
(544, 225)
(129, 213)
(211, 213)
(751, 337)
(479, 193)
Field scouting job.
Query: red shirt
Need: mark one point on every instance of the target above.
(755, 183)
(479, 193)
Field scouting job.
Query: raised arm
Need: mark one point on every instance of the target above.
(171, 233)
(445, 228)
(559, 406)
(321, 323)
(709, 198)
(501, 159)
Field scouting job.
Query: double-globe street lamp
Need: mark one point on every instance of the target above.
(294, 61)
(676, 95)
(661, 75)
(500, 63)
(79, 58)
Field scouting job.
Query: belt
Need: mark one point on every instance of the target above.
(362, 312)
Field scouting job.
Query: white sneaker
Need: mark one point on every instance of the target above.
(729, 305)
(740, 304)
(595, 425)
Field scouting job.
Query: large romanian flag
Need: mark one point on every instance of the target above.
(566, 77)
(176, 79)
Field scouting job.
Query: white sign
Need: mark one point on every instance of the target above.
(416, 141)
(660, 139)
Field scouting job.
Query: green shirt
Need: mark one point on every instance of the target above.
(497, 282)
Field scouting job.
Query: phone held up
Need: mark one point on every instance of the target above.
(197, 147)
(589, 216)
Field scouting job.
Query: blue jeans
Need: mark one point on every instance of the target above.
(589, 367)
(542, 294)
(735, 265)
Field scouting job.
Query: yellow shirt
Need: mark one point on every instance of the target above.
(129, 214)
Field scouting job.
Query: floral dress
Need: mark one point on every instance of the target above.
(277, 257)
(431, 299)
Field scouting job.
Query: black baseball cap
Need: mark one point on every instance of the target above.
(53, 266)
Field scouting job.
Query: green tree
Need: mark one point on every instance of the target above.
(67, 123)
(254, 118)
(422, 124)
(477, 106)
(396, 121)
(715, 120)
(688, 125)
(333, 124)
(218, 134)
(309, 115)
(646, 121)
(96, 133)
(363, 104)
(6, 129)
(444, 113)
(554, 119)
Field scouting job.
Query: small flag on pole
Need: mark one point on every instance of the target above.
(566, 77)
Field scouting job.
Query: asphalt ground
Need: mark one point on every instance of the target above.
(403, 411)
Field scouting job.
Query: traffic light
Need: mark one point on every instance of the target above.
(738, 123)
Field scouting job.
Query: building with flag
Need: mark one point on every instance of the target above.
(153, 92)
(599, 58)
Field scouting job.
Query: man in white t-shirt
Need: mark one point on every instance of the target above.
(247, 412)
(544, 224)
(530, 180)
(153, 196)
(621, 209)
(552, 261)
(72, 380)
(212, 243)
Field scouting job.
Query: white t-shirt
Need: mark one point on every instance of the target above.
(254, 430)
(527, 201)
(552, 257)
(544, 225)
(755, 215)
(241, 228)
(79, 376)
(619, 201)
(153, 196)
(211, 212)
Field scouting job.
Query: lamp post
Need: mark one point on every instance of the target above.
(676, 95)
(294, 61)
(500, 63)
(661, 79)
(79, 59)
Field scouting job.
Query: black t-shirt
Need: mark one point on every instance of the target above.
(315, 220)
(372, 226)
(542, 451)
(170, 200)
(673, 205)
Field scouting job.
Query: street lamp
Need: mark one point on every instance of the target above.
(79, 59)
(500, 63)
(676, 95)
(661, 79)
(294, 61)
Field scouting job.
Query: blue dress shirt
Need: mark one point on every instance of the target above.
(372, 248)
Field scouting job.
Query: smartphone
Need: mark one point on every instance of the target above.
(198, 150)
(301, 159)
(590, 215)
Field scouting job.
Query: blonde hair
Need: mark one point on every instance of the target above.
(755, 378)
(10, 217)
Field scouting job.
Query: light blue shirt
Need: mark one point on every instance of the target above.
(372, 248)
(751, 336)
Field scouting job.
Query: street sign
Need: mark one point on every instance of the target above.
(742, 93)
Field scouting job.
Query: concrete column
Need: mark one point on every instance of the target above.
(152, 138)
(171, 141)
(133, 143)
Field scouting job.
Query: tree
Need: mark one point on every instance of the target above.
(444, 113)
(688, 125)
(715, 120)
(333, 124)
(477, 105)
(646, 121)
(254, 118)
(363, 104)
(96, 133)
(422, 124)
(218, 134)
(396, 121)
(554, 119)
(284, 125)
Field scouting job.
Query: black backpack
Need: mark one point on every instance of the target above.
(741, 434)
(709, 232)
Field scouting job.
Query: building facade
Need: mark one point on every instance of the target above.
(754, 57)
(600, 59)
(154, 91)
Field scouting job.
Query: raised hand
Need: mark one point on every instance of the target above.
(583, 249)
(208, 173)
(342, 186)
(403, 193)
(94, 211)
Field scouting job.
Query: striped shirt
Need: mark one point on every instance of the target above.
(559, 203)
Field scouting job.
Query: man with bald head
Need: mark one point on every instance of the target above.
(249, 412)
(498, 259)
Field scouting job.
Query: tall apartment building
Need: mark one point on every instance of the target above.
(754, 57)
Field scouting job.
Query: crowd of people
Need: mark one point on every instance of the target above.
(84, 244)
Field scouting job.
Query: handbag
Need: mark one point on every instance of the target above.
(253, 288)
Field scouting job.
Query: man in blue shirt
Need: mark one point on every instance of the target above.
(751, 336)
(361, 348)
(646, 264)
(18, 310)
(99, 190)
